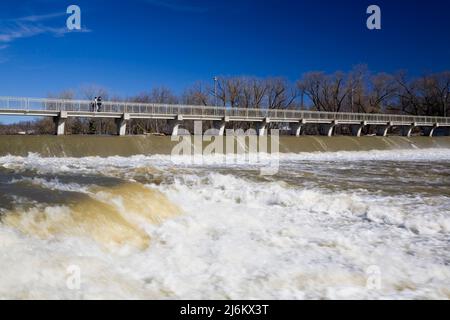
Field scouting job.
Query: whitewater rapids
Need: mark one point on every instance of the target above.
(141, 227)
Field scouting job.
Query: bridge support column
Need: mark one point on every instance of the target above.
(174, 125)
(262, 127)
(357, 129)
(328, 129)
(408, 131)
(383, 130)
(60, 123)
(433, 129)
(220, 126)
(296, 128)
(122, 124)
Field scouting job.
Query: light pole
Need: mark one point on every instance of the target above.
(353, 92)
(215, 90)
(303, 100)
(445, 104)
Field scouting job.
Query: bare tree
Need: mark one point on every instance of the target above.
(280, 95)
(327, 92)
(253, 93)
(198, 94)
(311, 85)
(381, 94)
(441, 87)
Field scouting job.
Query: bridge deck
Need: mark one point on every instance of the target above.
(83, 108)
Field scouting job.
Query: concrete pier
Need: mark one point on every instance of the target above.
(383, 130)
(60, 123)
(262, 127)
(357, 129)
(174, 125)
(328, 129)
(409, 130)
(122, 124)
(220, 126)
(433, 129)
(296, 128)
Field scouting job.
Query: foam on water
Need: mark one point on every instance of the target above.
(238, 237)
(96, 164)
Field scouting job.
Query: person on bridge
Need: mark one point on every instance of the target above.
(99, 104)
(94, 105)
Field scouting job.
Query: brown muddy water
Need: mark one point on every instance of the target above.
(139, 223)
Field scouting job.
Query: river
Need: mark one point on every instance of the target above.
(341, 219)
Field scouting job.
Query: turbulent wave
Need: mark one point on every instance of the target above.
(142, 162)
(115, 216)
(143, 227)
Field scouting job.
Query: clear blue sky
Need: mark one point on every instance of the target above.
(131, 46)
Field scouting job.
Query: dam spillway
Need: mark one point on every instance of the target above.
(107, 146)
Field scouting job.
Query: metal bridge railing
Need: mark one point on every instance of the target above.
(31, 104)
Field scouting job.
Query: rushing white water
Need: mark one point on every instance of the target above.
(315, 230)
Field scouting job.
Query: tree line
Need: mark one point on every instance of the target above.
(358, 90)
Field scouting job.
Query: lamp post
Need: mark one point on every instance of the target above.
(303, 100)
(353, 92)
(445, 104)
(215, 90)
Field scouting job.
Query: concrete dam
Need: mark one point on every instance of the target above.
(106, 146)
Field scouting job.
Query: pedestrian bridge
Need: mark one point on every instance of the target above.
(61, 109)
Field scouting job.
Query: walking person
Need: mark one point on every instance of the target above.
(94, 105)
(99, 104)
